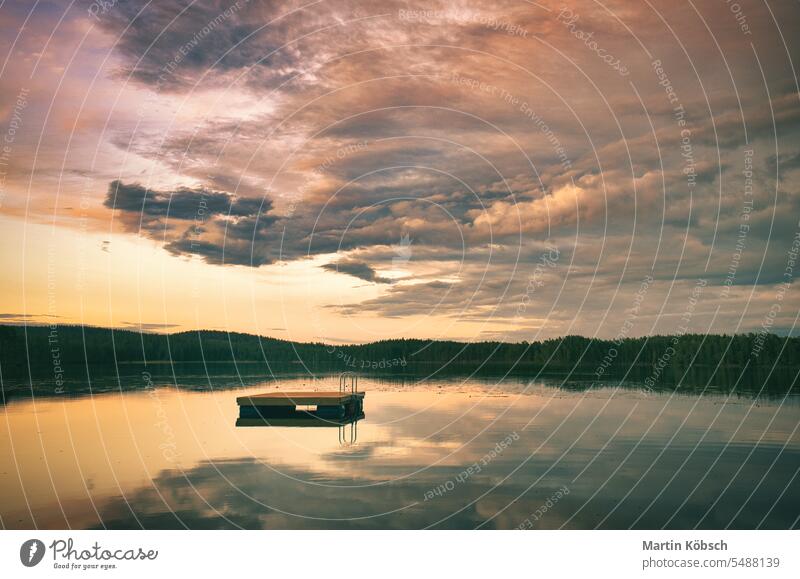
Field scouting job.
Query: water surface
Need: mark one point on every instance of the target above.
(452, 453)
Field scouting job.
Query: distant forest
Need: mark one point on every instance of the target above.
(44, 347)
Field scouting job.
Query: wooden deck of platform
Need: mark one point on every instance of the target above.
(300, 399)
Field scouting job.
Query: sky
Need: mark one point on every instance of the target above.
(356, 171)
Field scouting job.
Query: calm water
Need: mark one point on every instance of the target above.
(444, 454)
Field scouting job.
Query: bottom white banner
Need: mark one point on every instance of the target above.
(399, 553)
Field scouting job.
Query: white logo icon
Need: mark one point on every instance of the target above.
(402, 251)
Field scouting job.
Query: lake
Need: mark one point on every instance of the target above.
(149, 449)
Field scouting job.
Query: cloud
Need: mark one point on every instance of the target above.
(172, 44)
(182, 203)
(783, 163)
(331, 131)
(148, 326)
(356, 269)
(217, 226)
(28, 319)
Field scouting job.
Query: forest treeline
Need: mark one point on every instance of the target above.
(50, 346)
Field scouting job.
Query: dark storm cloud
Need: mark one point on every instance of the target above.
(216, 226)
(175, 44)
(171, 44)
(182, 203)
(356, 269)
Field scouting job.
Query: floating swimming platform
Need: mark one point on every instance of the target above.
(333, 408)
(320, 404)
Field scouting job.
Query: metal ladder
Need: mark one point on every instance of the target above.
(349, 379)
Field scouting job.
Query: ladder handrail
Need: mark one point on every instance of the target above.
(343, 380)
